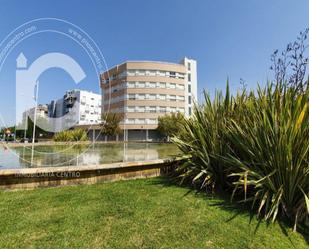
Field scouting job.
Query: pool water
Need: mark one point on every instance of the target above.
(69, 155)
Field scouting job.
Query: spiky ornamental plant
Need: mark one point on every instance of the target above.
(71, 135)
(270, 153)
(258, 142)
(202, 139)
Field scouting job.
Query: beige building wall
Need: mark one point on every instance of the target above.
(144, 90)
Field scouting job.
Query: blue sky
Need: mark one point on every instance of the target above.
(228, 38)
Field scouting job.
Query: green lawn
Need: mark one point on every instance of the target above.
(132, 214)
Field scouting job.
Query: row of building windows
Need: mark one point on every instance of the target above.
(161, 85)
(87, 106)
(96, 121)
(152, 85)
(154, 109)
(142, 72)
(140, 96)
(141, 121)
(92, 112)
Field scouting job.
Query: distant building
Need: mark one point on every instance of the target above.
(144, 90)
(84, 107)
(41, 112)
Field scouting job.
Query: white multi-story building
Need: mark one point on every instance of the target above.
(84, 108)
(191, 86)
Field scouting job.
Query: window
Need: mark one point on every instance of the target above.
(141, 96)
(151, 84)
(190, 111)
(180, 87)
(162, 109)
(172, 85)
(189, 88)
(141, 84)
(152, 121)
(162, 85)
(140, 121)
(172, 109)
(141, 109)
(130, 108)
(130, 121)
(152, 73)
(172, 97)
(163, 73)
(173, 74)
(152, 109)
(162, 96)
(141, 72)
(152, 96)
(130, 72)
(131, 84)
(181, 76)
(189, 66)
(189, 100)
(181, 98)
(131, 96)
(189, 77)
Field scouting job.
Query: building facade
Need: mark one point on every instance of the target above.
(141, 91)
(83, 107)
(41, 113)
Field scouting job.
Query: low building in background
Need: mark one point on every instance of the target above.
(84, 108)
(41, 112)
(144, 90)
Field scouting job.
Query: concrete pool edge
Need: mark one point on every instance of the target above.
(86, 143)
(29, 178)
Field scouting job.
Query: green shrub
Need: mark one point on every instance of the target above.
(257, 143)
(71, 135)
(79, 135)
(270, 153)
(201, 139)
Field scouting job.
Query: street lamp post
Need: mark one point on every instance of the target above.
(34, 120)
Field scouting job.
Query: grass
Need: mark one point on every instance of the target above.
(133, 214)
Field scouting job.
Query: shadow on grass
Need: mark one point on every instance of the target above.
(234, 207)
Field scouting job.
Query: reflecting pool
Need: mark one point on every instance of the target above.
(66, 155)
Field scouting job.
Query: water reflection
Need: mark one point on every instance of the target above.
(62, 155)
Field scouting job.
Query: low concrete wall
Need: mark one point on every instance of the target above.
(29, 178)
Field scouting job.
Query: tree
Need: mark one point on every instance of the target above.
(110, 124)
(170, 125)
